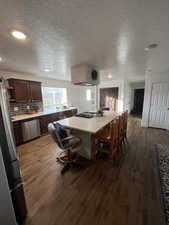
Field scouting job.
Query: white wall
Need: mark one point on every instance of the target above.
(7, 216)
(78, 98)
(151, 78)
(76, 94)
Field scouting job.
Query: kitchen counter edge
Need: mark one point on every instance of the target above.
(39, 114)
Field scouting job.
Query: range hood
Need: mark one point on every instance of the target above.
(84, 75)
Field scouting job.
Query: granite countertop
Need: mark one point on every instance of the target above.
(38, 114)
(91, 125)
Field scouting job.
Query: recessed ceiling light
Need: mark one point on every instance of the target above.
(109, 76)
(146, 49)
(18, 35)
(47, 70)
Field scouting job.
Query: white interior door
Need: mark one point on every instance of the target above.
(159, 108)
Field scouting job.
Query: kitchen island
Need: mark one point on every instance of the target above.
(86, 129)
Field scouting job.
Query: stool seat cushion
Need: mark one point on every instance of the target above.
(71, 143)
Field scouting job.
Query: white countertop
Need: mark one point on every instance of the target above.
(46, 112)
(91, 125)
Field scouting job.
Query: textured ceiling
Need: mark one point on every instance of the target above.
(107, 33)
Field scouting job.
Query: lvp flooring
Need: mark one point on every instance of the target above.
(100, 194)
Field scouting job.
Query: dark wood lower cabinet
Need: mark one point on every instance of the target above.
(18, 132)
(74, 112)
(44, 121)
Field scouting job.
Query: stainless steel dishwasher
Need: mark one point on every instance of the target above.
(30, 129)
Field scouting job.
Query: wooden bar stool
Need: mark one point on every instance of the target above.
(125, 121)
(109, 144)
(121, 130)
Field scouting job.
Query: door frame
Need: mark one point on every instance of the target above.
(132, 97)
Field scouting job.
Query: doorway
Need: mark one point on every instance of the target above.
(138, 102)
(109, 98)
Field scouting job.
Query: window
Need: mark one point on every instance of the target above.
(54, 97)
(88, 95)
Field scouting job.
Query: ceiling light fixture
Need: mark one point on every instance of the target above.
(18, 35)
(47, 70)
(109, 76)
(146, 49)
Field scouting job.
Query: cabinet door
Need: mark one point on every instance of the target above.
(74, 112)
(21, 90)
(44, 121)
(36, 92)
(55, 117)
(18, 133)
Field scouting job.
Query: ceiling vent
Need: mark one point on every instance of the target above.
(151, 46)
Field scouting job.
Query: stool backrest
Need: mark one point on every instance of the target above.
(125, 120)
(121, 126)
(57, 132)
(114, 134)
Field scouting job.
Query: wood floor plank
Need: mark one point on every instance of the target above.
(100, 194)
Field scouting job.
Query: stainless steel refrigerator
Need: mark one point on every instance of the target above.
(9, 154)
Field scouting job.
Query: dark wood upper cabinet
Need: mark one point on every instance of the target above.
(35, 91)
(20, 91)
(23, 91)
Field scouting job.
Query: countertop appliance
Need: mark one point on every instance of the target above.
(30, 129)
(85, 115)
(10, 157)
(89, 115)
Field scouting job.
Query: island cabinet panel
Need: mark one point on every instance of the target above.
(35, 91)
(24, 91)
(18, 133)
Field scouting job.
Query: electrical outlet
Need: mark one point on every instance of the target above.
(28, 106)
(16, 109)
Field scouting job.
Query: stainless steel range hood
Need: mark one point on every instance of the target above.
(84, 75)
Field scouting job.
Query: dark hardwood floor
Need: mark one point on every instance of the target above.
(100, 194)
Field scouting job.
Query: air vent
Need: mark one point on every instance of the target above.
(151, 46)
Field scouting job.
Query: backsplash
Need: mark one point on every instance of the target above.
(22, 108)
